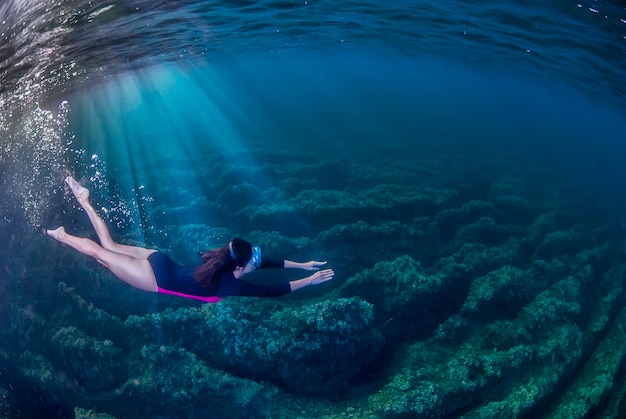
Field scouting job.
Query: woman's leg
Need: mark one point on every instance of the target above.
(82, 196)
(135, 272)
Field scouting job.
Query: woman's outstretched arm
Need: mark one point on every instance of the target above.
(312, 265)
(316, 278)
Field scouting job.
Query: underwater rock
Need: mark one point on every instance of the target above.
(576, 239)
(502, 292)
(485, 230)
(165, 381)
(22, 397)
(515, 209)
(343, 243)
(292, 185)
(8, 404)
(238, 196)
(86, 315)
(596, 378)
(470, 260)
(277, 216)
(557, 243)
(514, 366)
(44, 375)
(94, 364)
(398, 287)
(168, 215)
(382, 201)
(450, 220)
(314, 347)
(613, 404)
(324, 205)
(406, 202)
(508, 184)
(324, 174)
(321, 209)
(26, 325)
(90, 414)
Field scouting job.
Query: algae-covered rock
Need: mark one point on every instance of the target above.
(501, 292)
(90, 414)
(485, 230)
(238, 196)
(597, 376)
(93, 363)
(557, 243)
(450, 220)
(165, 381)
(393, 287)
(403, 201)
(515, 367)
(41, 371)
(407, 300)
(86, 314)
(8, 404)
(394, 201)
(509, 184)
(385, 240)
(279, 215)
(312, 347)
(515, 209)
(470, 260)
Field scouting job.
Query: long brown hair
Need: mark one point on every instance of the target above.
(236, 252)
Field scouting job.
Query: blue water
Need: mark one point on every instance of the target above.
(460, 167)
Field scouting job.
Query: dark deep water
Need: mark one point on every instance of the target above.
(460, 166)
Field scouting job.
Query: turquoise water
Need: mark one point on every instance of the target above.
(459, 166)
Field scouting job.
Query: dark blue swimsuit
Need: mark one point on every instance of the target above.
(174, 279)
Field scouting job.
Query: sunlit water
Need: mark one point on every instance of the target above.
(475, 140)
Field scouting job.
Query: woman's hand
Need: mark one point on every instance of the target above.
(316, 278)
(312, 265)
(321, 276)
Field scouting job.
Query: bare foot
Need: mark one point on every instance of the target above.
(81, 193)
(56, 234)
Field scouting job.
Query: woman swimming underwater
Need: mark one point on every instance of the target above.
(150, 270)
